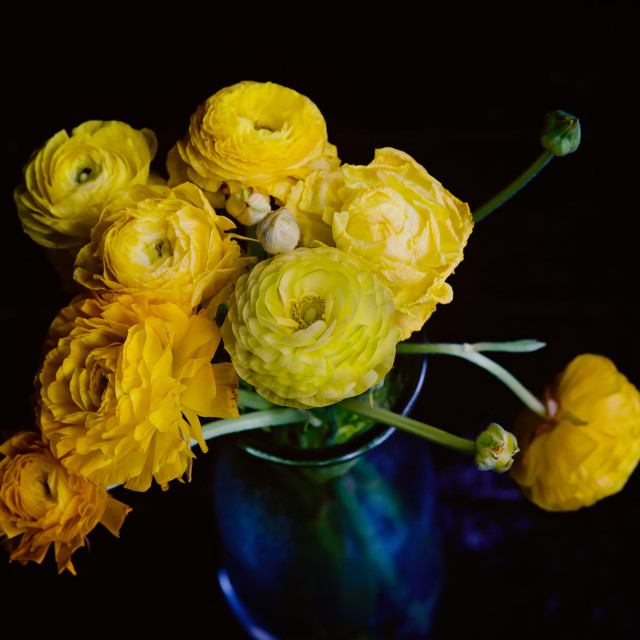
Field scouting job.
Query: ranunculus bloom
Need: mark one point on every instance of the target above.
(42, 504)
(252, 134)
(406, 226)
(310, 327)
(169, 242)
(591, 445)
(68, 181)
(123, 384)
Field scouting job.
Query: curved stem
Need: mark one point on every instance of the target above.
(514, 187)
(513, 346)
(384, 416)
(470, 352)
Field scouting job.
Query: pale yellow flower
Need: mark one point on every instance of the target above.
(42, 504)
(252, 134)
(406, 226)
(68, 181)
(167, 242)
(123, 383)
(310, 327)
(591, 444)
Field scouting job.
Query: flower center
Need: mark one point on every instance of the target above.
(85, 171)
(306, 310)
(158, 249)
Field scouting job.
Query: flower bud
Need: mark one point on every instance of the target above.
(247, 206)
(560, 133)
(278, 232)
(495, 448)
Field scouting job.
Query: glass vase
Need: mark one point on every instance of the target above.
(337, 542)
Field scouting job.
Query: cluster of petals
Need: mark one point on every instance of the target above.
(70, 178)
(252, 134)
(400, 220)
(42, 504)
(311, 327)
(590, 444)
(170, 243)
(123, 383)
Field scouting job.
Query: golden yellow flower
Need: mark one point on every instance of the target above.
(122, 386)
(406, 226)
(310, 327)
(591, 445)
(42, 504)
(252, 134)
(168, 242)
(67, 181)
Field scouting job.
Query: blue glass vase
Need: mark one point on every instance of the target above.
(337, 542)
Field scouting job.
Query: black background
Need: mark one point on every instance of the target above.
(463, 94)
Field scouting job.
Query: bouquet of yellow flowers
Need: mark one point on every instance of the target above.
(261, 283)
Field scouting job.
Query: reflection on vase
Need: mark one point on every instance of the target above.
(339, 546)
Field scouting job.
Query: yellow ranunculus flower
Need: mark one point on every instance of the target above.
(252, 134)
(123, 383)
(591, 445)
(167, 242)
(310, 327)
(67, 181)
(407, 227)
(42, 504)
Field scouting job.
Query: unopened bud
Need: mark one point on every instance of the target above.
(248, 207)
(495, 448)
(278, 232)
(560, 133)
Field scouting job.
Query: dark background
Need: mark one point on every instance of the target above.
(465, 95)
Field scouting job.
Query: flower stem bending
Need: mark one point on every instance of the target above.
(252, 420)
(515, 186)
(471, 353)
(384, 416)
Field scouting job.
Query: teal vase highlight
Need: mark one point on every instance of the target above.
(337, 542)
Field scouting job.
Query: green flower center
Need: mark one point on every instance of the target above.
(158, 249)
(86, 171)
(306, 310)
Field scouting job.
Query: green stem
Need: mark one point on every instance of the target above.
(252, 420)
(470, 352)
(251, 400)
(514, 187)
(384, 416)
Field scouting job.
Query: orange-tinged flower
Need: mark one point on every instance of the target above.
(43, 504)
(123, 385)
(591, 444)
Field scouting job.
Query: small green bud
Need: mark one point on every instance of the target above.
(495, 448)
(560, 133)
(278, 232)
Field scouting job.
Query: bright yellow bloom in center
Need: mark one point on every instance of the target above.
(311, 327)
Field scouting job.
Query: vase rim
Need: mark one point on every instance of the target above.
(333, 454)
